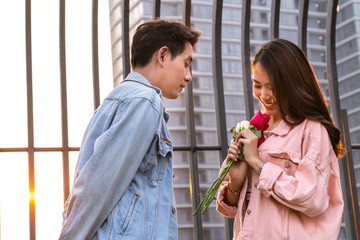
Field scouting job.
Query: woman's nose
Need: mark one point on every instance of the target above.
(188, 77)
(265, 94)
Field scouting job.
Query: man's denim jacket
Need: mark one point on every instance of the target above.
(123, 179)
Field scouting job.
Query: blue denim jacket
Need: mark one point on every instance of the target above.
(123, 179)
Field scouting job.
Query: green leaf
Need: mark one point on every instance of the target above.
(255, 131)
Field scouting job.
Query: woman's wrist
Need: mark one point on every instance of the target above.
(233, 189)
(255, 163)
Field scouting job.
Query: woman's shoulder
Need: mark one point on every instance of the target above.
(313, 127)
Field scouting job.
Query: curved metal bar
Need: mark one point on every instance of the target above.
(219, 93)
(125, 9)
(274, 19)
(95, 54)
(157, 7)
(302, 24)
(193, 163)
(245, 57)
(30, 119)
(348, 182)
(64, 117)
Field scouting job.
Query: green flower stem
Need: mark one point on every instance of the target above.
(210, 194)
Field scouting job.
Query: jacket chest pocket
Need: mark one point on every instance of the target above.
(288, 163)
(158, 159)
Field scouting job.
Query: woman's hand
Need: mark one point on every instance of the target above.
(249, 141)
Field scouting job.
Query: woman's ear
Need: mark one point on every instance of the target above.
(162, 54)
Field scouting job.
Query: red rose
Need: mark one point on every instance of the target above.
(260, 121)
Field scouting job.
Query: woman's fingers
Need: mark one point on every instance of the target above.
(233, 151)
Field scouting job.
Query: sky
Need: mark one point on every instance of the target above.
(14, 193)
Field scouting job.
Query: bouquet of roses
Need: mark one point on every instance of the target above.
(258, 124)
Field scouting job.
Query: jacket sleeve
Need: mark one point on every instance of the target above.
(107, 174)
(307, 189)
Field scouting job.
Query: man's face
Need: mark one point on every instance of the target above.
(176, 73)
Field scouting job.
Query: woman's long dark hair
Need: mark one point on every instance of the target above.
(295, 87)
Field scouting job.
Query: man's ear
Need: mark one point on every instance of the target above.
(162, 54)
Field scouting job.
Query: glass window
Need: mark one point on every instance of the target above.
(208, 158)
(265, 34)
(264, 17)
(288, 4)
(203, 119)
(207, 138)
(317, 6)
(351, 102)
(260, 3)
(354, 119)
(259, 16)
(203, 47)
(233, 84)
(231, 14)
(202, 64)
(320, 72)
(171, 8)
(177, 119)
(201, 11)
(348, 66)
(317, 55)
(347, 48)
(234, 103)
(231, 31)
(316, 38)
(233, 1)
(288, 19)
(346, 12)
(205, 28)
(290, 35)
(203, 82)
(346, 31)
(349, 84)
(317, 22)
(231, 49)
(231, 67)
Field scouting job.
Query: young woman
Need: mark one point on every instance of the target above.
(288, 187)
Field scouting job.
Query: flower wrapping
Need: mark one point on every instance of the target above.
(258, 124)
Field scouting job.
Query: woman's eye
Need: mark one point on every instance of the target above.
(257, 86)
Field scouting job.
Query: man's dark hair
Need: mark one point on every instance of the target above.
(152, 35)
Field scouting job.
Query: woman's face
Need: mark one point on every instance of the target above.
(263, 91)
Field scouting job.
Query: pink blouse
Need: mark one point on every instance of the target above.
(298, 194)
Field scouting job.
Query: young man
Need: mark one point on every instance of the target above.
(123, 179)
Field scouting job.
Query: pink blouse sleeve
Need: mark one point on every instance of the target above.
(306, 189)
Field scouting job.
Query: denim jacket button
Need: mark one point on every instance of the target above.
(248, 211)
(173, 210)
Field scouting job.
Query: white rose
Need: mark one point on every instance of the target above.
(242, 125)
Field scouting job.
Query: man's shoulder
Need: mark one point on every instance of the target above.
(129, 91)
(132, 89)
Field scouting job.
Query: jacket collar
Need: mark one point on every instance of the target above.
(281, 130)
(137, 77)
